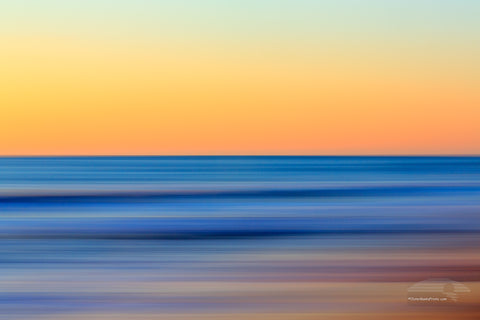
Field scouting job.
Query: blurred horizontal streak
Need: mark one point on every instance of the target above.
(281, 316)
(105, 197)
(236, 237)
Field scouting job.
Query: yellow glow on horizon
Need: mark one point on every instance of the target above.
(63, 96)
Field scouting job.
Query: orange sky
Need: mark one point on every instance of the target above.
(65, 94)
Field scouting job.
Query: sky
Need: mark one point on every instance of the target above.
(118, 77)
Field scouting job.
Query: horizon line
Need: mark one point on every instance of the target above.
(232, 155)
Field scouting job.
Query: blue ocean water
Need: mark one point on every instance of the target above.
(94, 235)
(228, 196)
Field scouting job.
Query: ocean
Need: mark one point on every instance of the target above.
(236, 237)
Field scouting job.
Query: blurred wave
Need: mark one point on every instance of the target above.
(258, 237)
